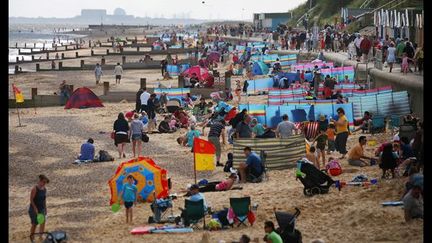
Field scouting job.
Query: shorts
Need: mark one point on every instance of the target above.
(98, 78)
(121, 138)
(320, 148)
(128, 204)
(331, 145)
(216, 142)
(118, 77)
(33, 215)
(136, 136)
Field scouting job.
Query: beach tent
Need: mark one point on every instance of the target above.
(259, 68)
(149, 179)
(201, 73)
(83, 98)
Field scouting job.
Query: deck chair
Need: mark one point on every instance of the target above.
(193, 213)
(241, 207)
(378, 124)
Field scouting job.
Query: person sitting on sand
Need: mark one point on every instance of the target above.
(271, 235)
(164, 126)
(356, 154)
(413, 204)
(87, 150)
(415, 179)
(388, 160)
(182, 116)
(252, 169)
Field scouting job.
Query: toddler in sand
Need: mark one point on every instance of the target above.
(129, 196)
(312, 157)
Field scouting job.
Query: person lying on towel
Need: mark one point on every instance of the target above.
(224, 185)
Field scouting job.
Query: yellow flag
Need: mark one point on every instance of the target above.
(19, 98)
(204, 152)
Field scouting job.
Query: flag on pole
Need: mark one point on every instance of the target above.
(204, 152)
(19, 98)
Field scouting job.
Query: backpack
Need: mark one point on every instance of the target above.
(334, 168)
(105, 156)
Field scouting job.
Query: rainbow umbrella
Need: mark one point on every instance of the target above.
(149, 179)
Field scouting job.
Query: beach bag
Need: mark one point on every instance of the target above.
(222, 216)
(334, 168)
(228, 166)
(145, 138)
(105, 156)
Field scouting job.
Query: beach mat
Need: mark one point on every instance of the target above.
(142, 230)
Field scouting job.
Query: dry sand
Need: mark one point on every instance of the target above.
(78, 195)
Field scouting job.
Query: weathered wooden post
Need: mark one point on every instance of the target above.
(82, 63)
(76, 54)
(60, 65)
(91, 53)
(17, 59)
(37, 67)
(62, 56)
(16, 68)
(143, 83)
(107, 52)
(103, 61)
(123, 60)
(106, 88)
(32, 57)
(47, 55)
(33, 93)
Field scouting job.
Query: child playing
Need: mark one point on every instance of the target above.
(321, 141)
(331, 130)
(311, 156)
(405, 64)
(129, 196)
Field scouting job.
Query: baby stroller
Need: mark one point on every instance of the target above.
(54, 237)
(287, 230)
(160, 208)
(314, 181)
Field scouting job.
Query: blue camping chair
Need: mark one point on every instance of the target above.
(193, 213)
(378, 124)
(241, 208)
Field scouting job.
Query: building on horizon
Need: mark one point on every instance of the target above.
(270, 20)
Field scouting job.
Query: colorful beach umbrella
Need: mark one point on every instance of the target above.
(149, 179)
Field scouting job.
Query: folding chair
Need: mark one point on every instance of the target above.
(378, 124)
(241, 208)
(194, 212)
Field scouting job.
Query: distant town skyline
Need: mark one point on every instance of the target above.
(196, 9)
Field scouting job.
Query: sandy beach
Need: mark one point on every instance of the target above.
(78, 195)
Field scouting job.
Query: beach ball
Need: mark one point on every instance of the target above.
(40, 218)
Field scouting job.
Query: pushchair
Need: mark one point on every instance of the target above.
(160, 208)
(54, 237)
(314, 181)
(287, 230)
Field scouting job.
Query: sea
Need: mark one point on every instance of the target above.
(48, 34)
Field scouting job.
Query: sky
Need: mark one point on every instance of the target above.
(211, 9)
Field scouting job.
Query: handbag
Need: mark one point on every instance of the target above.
(145, 138)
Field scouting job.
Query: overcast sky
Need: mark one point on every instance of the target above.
(211, 9)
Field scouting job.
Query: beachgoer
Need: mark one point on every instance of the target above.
(38, 205)
(118, 72)
(366, 122)
(243, 130)
(391, 56)
(129, 195)
(144, 97)
(238, 91)
(87, 150)
(217, 130)
(331, 130)
(356, 153)
(257, 128)
(413, 204)
(191, 134)
(365, 46)
(321, 141)
(224, 185)
(64, 92)
(194, 80)
(121, 137)
(405, 64)
(164, 126)
(271, 235)
(252, 168)
(285, 128)
(98, 72)
(312, 156)
(137, 128)
(341, 132)
(138, 100)
(419, 55)
(195, 196)
(151, 112)
(388, 160)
